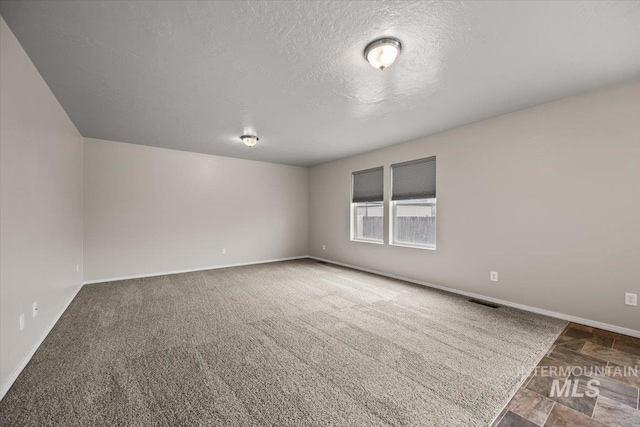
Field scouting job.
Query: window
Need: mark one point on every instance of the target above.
(367, 206)
(413, 203)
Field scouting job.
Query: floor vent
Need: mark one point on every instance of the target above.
(486, 303)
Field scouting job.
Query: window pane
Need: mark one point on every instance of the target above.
(415, 222)
(368, 221)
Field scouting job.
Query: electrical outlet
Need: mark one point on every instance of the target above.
(494, 276)
(34, 309)
(77, 268)
(631, 299)
(21, 321)
(224, 252)
(324, 247)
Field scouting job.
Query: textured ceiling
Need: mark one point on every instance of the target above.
(195, 75)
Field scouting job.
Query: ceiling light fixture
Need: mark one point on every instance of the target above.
(382, 52)
(249, 140)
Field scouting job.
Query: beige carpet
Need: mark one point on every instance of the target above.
(293, 343)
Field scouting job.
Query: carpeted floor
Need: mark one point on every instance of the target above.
(292, 343)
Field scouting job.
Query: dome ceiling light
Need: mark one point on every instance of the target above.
(249, 140)
(382, 52)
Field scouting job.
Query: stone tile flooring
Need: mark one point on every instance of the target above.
(579, 356)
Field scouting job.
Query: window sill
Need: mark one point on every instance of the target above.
(375, 242)
(407, 245)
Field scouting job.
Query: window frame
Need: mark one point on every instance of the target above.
(393, 229)
(393, 216)
(354, 226)
(353, 217)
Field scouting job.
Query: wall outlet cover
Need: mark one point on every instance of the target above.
(631, 299)
(34, 309)
(21, 320)
(494, 276)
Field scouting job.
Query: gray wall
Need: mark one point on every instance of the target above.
(150, 210)
(40, 205)
(549, 197)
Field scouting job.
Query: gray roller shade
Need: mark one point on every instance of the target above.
(368, 185)
(414, 180)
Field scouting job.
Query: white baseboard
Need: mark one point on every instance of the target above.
(567, 317)
(139, 276)
(6, 386)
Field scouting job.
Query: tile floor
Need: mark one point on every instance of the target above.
(581, 354)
